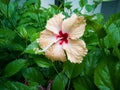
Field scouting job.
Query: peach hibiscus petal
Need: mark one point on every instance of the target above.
(78, 28)
(75, 26)
(75, 50)
(67, 23)
(56, 53)
(55, 23)
(46, 37)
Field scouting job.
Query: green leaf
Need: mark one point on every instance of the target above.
(59, 82)
(112, 19)
(5, 1)
(97, 1)
(34, 36)
(6, 34)
(9, 85)
(83, 83)
(113, 34)
(68, 5)
(13, 86)
(16, 47)
(29, 2)
(73, 70)
(33, 75)
(91, 61)
(14, 67)
(23, 32)
(83, 2)
(43, 62)
(96, 24)
(30, 48)
(102, 75)
(54, 6)
(89, 7)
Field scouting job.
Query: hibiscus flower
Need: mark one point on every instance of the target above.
(60, 40)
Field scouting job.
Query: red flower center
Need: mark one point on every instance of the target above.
(63, 37)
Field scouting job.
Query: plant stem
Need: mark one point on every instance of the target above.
(7, 10)
(68, 85)
(55, 68)
(56, 71)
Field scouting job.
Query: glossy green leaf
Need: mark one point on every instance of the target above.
(113, 37)
(89, 7)
(112, 28)
(60, 82)
(113, 18)
(11, 85)
(91, 61)
(23, 32)
(68, 5)
(83, 2)
(29, 2)
(96, 24)
(6, 34)
(83, 83)
(43, 62)
(16, 47)
(73, 70)
(34, 36)
(14, 67)
(31, 48)
(34, 75)
(106, 76)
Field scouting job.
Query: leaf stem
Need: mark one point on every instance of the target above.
(7, 10)
(68, 84)
(56, 70)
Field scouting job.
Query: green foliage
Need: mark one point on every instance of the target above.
(112, 40)
(60, 82)
(13, 67)
(43, 62)
(83, 83)
(30, 48)
(33, 75)
(73, 70)
(22, 69)
(106, 75)
(5, 1)
(13, 86)
(68, 5)
(83, 2)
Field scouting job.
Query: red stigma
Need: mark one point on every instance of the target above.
(63, 37)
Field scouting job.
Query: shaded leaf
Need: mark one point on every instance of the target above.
(33, 75)
(14, 67)
(30, 48)
(91, 61)
(89, 7)
(73, 70)
(106, 73)
(83, 83)
(5, 1)
(10, 85)
(68, 5)
(43, 62)
(59, 82)
(34, 36)
(83, 2)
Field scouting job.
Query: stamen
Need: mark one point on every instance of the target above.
(37, 50)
